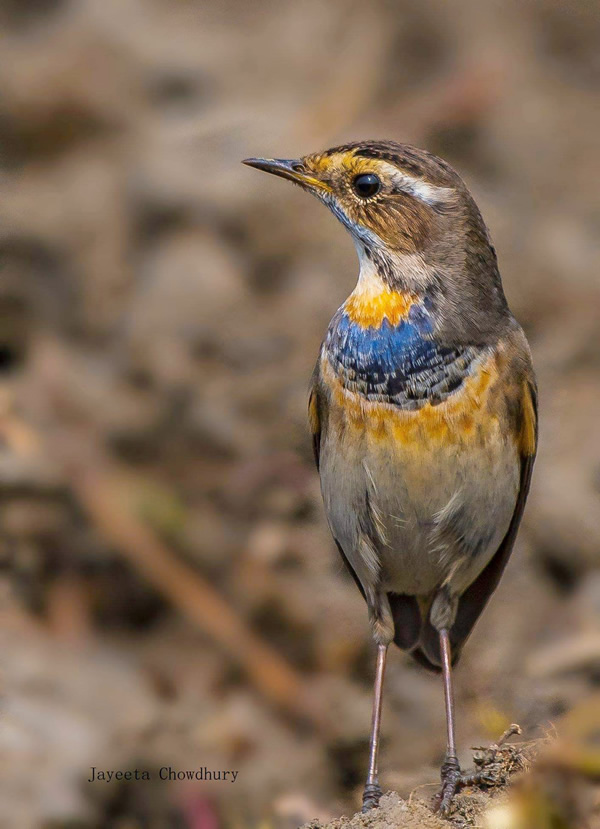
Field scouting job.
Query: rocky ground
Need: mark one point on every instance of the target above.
(170, 593)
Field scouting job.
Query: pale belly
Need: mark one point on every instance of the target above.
(433, 490)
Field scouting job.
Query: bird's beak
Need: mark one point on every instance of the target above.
(291, 169)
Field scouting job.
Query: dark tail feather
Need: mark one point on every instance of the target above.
(417, 635)
(407, 620)
(419, 655)
(429, 646)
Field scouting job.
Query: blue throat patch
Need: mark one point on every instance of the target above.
(400, 364)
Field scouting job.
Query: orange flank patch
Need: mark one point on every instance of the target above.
(313, 414)
(369, 310)
(528, 428)
(464, 417)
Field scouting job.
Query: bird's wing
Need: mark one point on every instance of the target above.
(314, 421)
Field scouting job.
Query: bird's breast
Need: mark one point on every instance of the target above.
(464, 416)
(385, 351)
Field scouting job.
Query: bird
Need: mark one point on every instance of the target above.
(422, 408)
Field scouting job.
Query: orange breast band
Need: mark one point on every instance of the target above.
(369, 310)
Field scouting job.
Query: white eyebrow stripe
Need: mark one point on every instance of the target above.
(431, 194)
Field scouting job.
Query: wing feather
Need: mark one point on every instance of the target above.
(314, 421)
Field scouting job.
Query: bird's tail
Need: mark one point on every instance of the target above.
(415, 633)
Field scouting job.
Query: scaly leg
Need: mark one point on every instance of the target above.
(372, 791)
(450, 771)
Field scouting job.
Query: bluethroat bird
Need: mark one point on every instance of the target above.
(422, 408)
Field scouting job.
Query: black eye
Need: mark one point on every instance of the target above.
(366, 185)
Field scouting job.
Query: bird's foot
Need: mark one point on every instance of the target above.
(371, 796)
(452, 779)
(493, 765)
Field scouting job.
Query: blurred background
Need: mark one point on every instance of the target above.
(169, 592)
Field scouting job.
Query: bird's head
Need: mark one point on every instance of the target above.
(411, 216)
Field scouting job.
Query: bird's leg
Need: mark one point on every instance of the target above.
(372, 791)
(450, 771)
